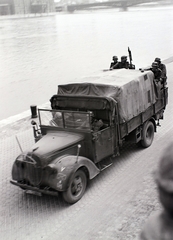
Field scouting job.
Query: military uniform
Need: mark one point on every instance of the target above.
(157, 73)
(163, 69)
(115, 61)
(97, 124)
(158, 227)
(121, 65)
(113, 64)
(124, 64)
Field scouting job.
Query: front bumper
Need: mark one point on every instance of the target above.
(36, 189)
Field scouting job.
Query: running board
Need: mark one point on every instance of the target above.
(105, 163)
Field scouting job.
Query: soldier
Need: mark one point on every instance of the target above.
(160, 226)
(156, 70)
(115, 61)
(162, 68)
(123, 64)
(97, 124)
(157, 78)
(57, 119)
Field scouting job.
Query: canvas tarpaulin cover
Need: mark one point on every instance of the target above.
(132, 89)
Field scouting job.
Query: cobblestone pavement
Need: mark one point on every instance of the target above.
(116, 203)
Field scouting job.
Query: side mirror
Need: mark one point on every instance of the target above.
(36, 131)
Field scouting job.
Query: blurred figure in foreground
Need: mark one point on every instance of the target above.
(160, 226)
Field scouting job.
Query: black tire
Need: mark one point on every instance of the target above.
(76, 188)
(139, 144)
(147, 134)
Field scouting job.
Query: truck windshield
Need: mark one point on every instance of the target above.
(65, 119)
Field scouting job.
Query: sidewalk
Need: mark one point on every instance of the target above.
(29, 15)
(18, 123)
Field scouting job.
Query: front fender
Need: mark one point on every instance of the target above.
(66, 166)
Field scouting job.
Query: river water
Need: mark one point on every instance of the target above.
(38, 53)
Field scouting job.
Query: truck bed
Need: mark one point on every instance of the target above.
(133, 90)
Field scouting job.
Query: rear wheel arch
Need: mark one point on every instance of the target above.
(154, 123)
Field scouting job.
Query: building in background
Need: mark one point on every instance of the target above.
(9, 7)
(6, 7)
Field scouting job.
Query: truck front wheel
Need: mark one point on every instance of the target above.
(147, 134)
(76, 187)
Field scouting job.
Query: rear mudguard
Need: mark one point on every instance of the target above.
(66, 166)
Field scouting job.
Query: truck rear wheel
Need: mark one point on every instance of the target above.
(147, 134)
(76, 188)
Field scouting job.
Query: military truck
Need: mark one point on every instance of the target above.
(82, 133)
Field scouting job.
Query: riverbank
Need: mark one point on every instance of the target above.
(35, 50)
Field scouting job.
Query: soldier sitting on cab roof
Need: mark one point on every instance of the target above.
(123, 64)
(115, 61)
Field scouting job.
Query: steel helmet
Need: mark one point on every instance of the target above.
(157, 60)
(164, 175)
(123, 57)
(115, 58)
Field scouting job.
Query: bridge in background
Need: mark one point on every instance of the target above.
(122, 4)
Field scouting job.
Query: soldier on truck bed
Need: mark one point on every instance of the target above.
(162, 68)
(158, 82)
(123, 64)
(115, 61)
(157, 71)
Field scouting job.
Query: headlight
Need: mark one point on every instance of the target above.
(60, 178)
(51, 168)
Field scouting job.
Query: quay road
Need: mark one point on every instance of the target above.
(116, 203)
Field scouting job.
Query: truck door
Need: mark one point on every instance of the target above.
(103, 143)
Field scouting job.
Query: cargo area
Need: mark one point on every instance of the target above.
(133, 90)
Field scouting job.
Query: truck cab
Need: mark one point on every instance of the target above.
(71, 146)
